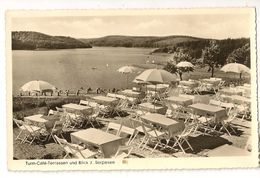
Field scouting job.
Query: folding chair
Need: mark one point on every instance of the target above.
(74, 120)
(227, 106)
(132, 102)
(129, 131)
(83, 103)
(121, 105)
(93, 117)
(221, 84)
(31, 132)
(184, 89)
(201, 87)
(206, 123)
(227, 123)
(192, 97)
(184, 136)
(215, 102)
(243, 110)
(123, 152)
(105, 111)
(151, 135)
(188, 115)
(168, 113)
(19, 124)
(137, 123)
(56, 130)
(174, 109)
(114, 126)
(93, 104)
(60, 110)
(51, 112)
(65, 119)
(74, 150)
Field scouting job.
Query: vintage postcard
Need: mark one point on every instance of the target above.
(131, 89)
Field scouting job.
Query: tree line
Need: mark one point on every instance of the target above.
(214, 54)
(34, 40)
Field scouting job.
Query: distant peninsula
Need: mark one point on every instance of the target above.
(168, 44)
(139, 41)
(29, 40)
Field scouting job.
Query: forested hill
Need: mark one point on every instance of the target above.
(139, 41)
(29, 40)
(169, 44)
(194, 48)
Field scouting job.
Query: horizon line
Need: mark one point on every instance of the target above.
(206, 38)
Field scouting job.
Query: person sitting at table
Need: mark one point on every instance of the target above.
(89, 90)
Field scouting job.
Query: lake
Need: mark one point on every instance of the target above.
(76, 68)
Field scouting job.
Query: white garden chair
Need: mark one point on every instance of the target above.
(184, 136)
(152, 136)
(83, 103)
(227, 124)
(30, 132)
(123, 152)
(74, 150)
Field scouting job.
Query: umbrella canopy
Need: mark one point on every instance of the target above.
(38, 86)
(236, 68)
(126, 69)
(156, 76)
(185, 64)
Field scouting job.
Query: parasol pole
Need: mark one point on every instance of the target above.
(155, 96)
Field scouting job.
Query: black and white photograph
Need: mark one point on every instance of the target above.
(118, 87)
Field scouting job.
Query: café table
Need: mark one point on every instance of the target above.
(179, 100)
(105, 100)
(72, 107)
(36, 120)
(227, 106)
(149, 107)
(108, 143)
(211, 110)
(130, 93)
(230, 91)
(236, 99)
(172, 127)
(246, 91)
(211, 81)
(189, 83)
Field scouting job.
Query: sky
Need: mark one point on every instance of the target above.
(217, 26)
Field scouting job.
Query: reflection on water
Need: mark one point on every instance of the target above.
(75, 68)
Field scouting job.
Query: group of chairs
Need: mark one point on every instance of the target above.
(201, 86)
(151, 134)
(28, 133)
(80, 151)
(210, 123)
